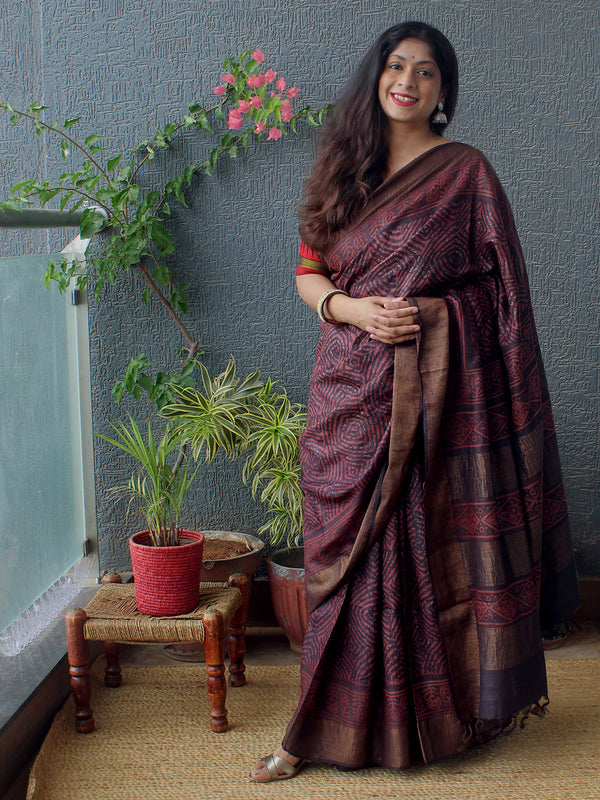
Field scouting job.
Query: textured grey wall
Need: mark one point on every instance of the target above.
(528, 100)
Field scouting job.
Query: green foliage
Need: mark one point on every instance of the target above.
(229, 414)
(135, 217)
(158, 489)
(161, 390)
(248, 417)
(214, 418)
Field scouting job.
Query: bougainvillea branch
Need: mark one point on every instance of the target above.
(252, 105)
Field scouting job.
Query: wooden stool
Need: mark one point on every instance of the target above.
(112, 617)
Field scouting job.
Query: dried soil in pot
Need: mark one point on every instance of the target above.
(224, 548)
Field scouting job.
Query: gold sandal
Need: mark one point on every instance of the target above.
(279, 769)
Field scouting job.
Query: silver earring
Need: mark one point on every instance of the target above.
(439, 117)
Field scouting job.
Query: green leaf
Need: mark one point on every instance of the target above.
(113, 163)
(92, 139)
(18, 186)
(124, 173)
(161, 236)
(91, 223)
(161, 275)
(47, 194)
(203, 122)
(70, 122)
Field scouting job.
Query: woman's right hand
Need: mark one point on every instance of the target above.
(391, 320)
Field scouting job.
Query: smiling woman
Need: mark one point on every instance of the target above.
(436, 535)
(410, 88)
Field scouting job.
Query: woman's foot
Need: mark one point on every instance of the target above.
(278, 767)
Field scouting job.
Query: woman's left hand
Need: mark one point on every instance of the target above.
(394, 322)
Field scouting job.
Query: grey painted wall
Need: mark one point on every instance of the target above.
(528, 100)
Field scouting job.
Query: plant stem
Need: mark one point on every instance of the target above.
(66, 136)
(193, 344)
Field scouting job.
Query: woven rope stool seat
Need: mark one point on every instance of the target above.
(112, 617)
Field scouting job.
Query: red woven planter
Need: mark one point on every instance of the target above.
(167, 579)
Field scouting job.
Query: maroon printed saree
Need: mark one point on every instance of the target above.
(436, 533)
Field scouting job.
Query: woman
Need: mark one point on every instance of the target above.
(436, 534)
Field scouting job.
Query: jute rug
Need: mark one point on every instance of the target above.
(152, 741)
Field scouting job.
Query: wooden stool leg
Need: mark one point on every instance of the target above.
(237, 634)
(79, 669)
(112, 650)
(214, 628)
(112, 673)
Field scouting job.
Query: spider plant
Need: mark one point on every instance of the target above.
(157, 491)
(249, 418)
(273, 466)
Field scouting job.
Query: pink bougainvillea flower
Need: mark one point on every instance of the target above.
(287, 112)
(270, 75)
(293, 91)
(235, 120)
(258, 56)
(274, 134)
(280, 84)
(244, 106)
(256, 101)
(260, 127)
(228, 78)
(219, 89)
(256, 81)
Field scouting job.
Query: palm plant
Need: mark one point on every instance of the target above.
(158, 489)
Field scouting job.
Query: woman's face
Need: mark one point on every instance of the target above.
(410, 86)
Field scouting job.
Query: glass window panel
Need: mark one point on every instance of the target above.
(41, 497)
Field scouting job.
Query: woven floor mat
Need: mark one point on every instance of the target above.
(152, 741)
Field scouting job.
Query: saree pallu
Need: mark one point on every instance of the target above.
(436, 532)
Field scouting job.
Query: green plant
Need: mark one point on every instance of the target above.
(273, 467)
(258, 106)
(248, 417)
(229, 414)
(159, 489)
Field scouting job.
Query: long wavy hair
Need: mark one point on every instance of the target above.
(352, 151)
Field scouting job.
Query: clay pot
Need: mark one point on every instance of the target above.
(166, 579)
(218, 570)
(285, 569)
(214, 571)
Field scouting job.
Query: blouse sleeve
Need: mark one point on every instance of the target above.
(310, 262)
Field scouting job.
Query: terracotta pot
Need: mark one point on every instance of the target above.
(166, 579)
(216, 571)
(285, 569)
(247, 563)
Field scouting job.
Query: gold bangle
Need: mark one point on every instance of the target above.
(321, 304)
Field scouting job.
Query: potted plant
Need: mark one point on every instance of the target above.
(166, 558)
(251, 105)
(164, 477)
(265, 427)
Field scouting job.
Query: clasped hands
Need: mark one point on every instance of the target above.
(391, 320)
